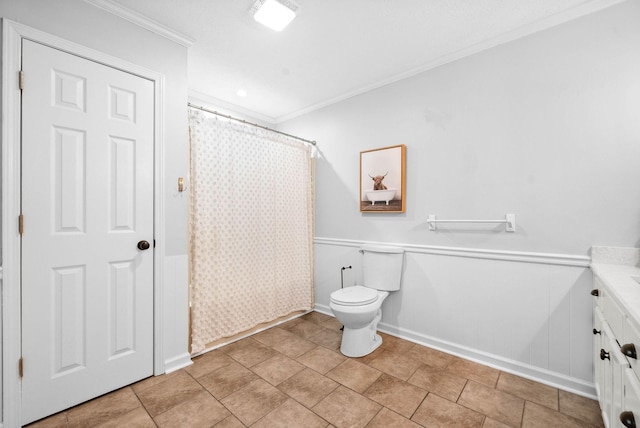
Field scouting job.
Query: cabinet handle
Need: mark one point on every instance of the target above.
(627, 419)
(596, 331)
(629, 350)
(604, 355)
(595, 292)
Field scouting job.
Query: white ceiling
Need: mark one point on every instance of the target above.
(335, 49)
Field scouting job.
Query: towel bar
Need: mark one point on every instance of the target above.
(509, 220)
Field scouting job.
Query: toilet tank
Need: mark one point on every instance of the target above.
(382, 267)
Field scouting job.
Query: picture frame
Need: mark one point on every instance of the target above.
(382, 180)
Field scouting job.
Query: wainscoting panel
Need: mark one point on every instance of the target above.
(529, 314)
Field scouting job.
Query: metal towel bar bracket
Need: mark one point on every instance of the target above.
(509, 221)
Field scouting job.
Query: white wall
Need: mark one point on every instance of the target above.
(545, 127)
(82, 23)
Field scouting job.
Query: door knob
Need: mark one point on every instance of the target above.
(604, 355)
(143, 245)
(595, 292)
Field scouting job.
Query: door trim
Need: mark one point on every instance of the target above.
(12, 35)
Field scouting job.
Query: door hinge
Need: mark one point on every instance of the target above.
(21, 224)
(21, 367)
(21, 80)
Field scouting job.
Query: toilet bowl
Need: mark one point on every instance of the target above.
(358, 309)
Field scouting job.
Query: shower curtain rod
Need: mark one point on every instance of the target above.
(250, 123)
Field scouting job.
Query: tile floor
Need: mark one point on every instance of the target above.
(292, 375)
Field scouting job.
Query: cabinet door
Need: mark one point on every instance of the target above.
(614, 365)
(619, 366)
(598, 364)
(631, 398)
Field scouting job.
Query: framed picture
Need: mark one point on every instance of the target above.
(382, 179)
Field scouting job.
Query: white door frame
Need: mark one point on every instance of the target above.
(12, 35)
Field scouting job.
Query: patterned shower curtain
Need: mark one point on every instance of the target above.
(250, 227)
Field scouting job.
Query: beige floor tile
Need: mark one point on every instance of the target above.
(492, 423)
(321, 359)
(294, 346)
(496, 404)
(440, 382)
(316, 317)
(154, 380)
(272, 336)
(306, 329)
(430, 357)
(395, 364)
(473, 371)
(328, 338)
(207, 363)
(138, 418)
(345, 408)
(254, 401)
(537, 416)
(227, 380)
(229, 422)
(528, 390)
(248, 352)
(397, 395)
(354, 375)
(438, 412)
(277, 369)
(165, 395)
(308, 387)
(287, 325)
(103, 409)
(393, 343)
(267, 388)
(59, 420)
(388, 419)
(370, 357)
(291, 414)
(201, 411)
(332, 324)
(582, 408)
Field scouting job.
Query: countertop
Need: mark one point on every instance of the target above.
(616, 271)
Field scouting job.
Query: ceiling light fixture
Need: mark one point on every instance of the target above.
(275, 14)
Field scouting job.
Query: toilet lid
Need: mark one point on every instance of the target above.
(356, 295)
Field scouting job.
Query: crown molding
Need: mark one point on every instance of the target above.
(518, 33)
(143, 21)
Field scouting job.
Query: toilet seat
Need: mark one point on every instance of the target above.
(354, 296)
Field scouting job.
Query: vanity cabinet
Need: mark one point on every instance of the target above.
(617, 372)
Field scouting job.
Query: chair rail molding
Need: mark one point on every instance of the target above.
(504, 255)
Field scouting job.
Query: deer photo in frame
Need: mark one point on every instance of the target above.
(382, 179)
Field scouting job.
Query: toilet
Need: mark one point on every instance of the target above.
(358, 308)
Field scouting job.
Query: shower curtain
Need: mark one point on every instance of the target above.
(250, 227)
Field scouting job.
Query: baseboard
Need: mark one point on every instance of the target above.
(546, 377)
(177, 363)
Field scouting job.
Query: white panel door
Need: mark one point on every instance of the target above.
(87, 201)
